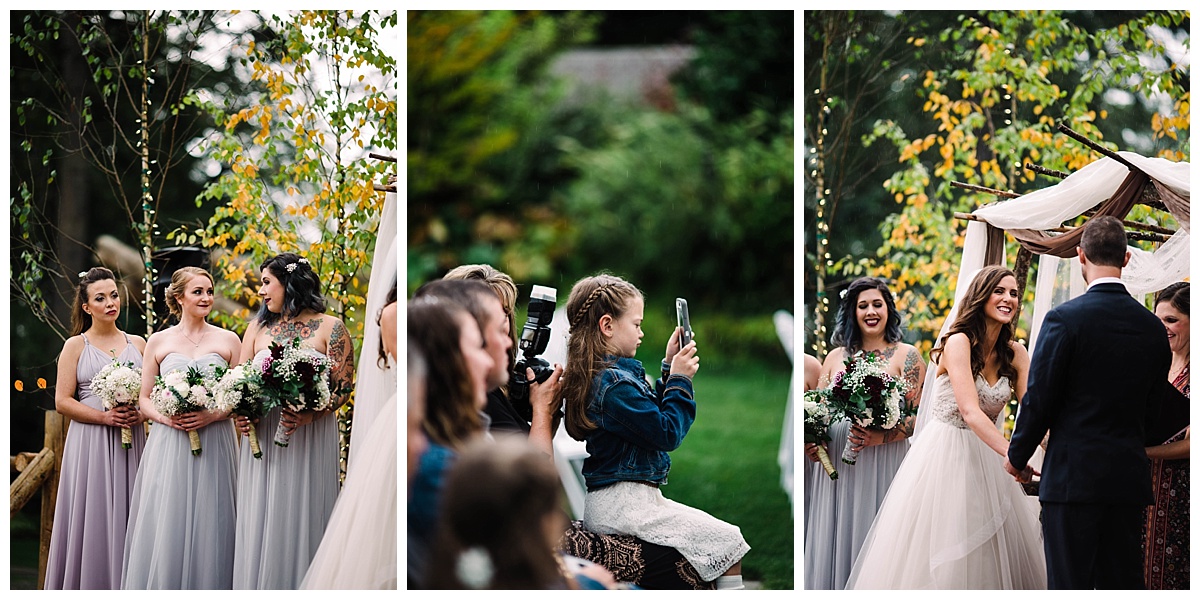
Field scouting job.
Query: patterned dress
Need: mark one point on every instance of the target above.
(1167, 532)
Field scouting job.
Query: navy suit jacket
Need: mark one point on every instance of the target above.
(1097, 375)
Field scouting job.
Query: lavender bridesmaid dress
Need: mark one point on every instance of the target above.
(94, 490)
(181, 521)
(284, 502)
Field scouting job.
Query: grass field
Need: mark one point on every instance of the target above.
(728, 466)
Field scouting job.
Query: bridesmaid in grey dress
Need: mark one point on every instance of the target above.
(840, 512)
(285, 499)
(96, 481)
(180, 533)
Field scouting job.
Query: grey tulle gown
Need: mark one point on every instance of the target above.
(94, 490)
(284, 502)
(181, 522)
(840, 512)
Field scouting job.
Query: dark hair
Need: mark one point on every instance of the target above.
(972, 321)
(845, 329)
(1104, 242)
(301, 287)
(382, 361)
(468, 293)
(1179, 294)
(180, 278)
(81, 321)
(451, 418)
(496, 499)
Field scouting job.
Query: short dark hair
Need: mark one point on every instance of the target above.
(1179, 294)
(1104, 242)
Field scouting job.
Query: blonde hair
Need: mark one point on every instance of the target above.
(587, 351)
(179, 279)
(505, 289)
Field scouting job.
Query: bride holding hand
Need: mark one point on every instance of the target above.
(953, 518)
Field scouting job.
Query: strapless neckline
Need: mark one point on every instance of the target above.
(190, 359)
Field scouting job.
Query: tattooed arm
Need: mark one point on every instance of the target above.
(341, 351)
(913, 374)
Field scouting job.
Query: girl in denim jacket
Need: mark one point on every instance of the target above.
(629, 428)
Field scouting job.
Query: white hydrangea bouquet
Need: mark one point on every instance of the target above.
(116, 384)
(817, 418)
(180, 392)
(239, 390)
(297, 380)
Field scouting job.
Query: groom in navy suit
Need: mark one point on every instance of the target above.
(1096, 376)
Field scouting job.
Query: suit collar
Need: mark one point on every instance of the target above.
(1108, 284)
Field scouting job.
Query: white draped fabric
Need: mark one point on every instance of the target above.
(974, 248)
(1059, 280)
(1147, 272)
(374, 385)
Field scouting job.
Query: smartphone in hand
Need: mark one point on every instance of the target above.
(681, 316)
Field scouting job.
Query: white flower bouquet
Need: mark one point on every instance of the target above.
(116, 384)
(817, 418)
(868, 395)
(239, 390)
(296, 380)
(180, 392)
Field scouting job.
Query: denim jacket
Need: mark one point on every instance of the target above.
(636, 425)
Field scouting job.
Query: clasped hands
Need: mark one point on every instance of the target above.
(290, 419)
(123, 415)
(1023, 475)
(858, 437)
(194, 421)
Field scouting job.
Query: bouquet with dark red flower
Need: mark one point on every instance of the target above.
(295, 378)
(867, 395)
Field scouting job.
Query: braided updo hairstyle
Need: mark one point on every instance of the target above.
(301, 287)
(81, 321)
(587, 353)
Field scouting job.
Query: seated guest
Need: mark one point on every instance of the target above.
(455, 391)
(500, 521)
(537, 416)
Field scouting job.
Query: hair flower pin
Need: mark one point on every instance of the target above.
(292, 267)
(842, 294)
(83, 274)
(474, 568)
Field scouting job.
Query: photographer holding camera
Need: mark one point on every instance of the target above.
(525, 403)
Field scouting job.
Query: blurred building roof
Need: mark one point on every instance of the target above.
(637, 74)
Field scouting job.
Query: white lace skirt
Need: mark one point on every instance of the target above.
(710, 544)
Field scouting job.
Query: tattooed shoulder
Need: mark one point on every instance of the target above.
(287, 330)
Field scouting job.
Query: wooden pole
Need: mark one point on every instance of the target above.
(1044, 171)
(1021, 268)
(984, 190)
(1136, 235)
(30, 480)
(1097, 147)
(56, 435)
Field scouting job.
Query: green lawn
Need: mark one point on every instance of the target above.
(728, 466)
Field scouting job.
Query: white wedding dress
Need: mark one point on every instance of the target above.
(953, 518)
